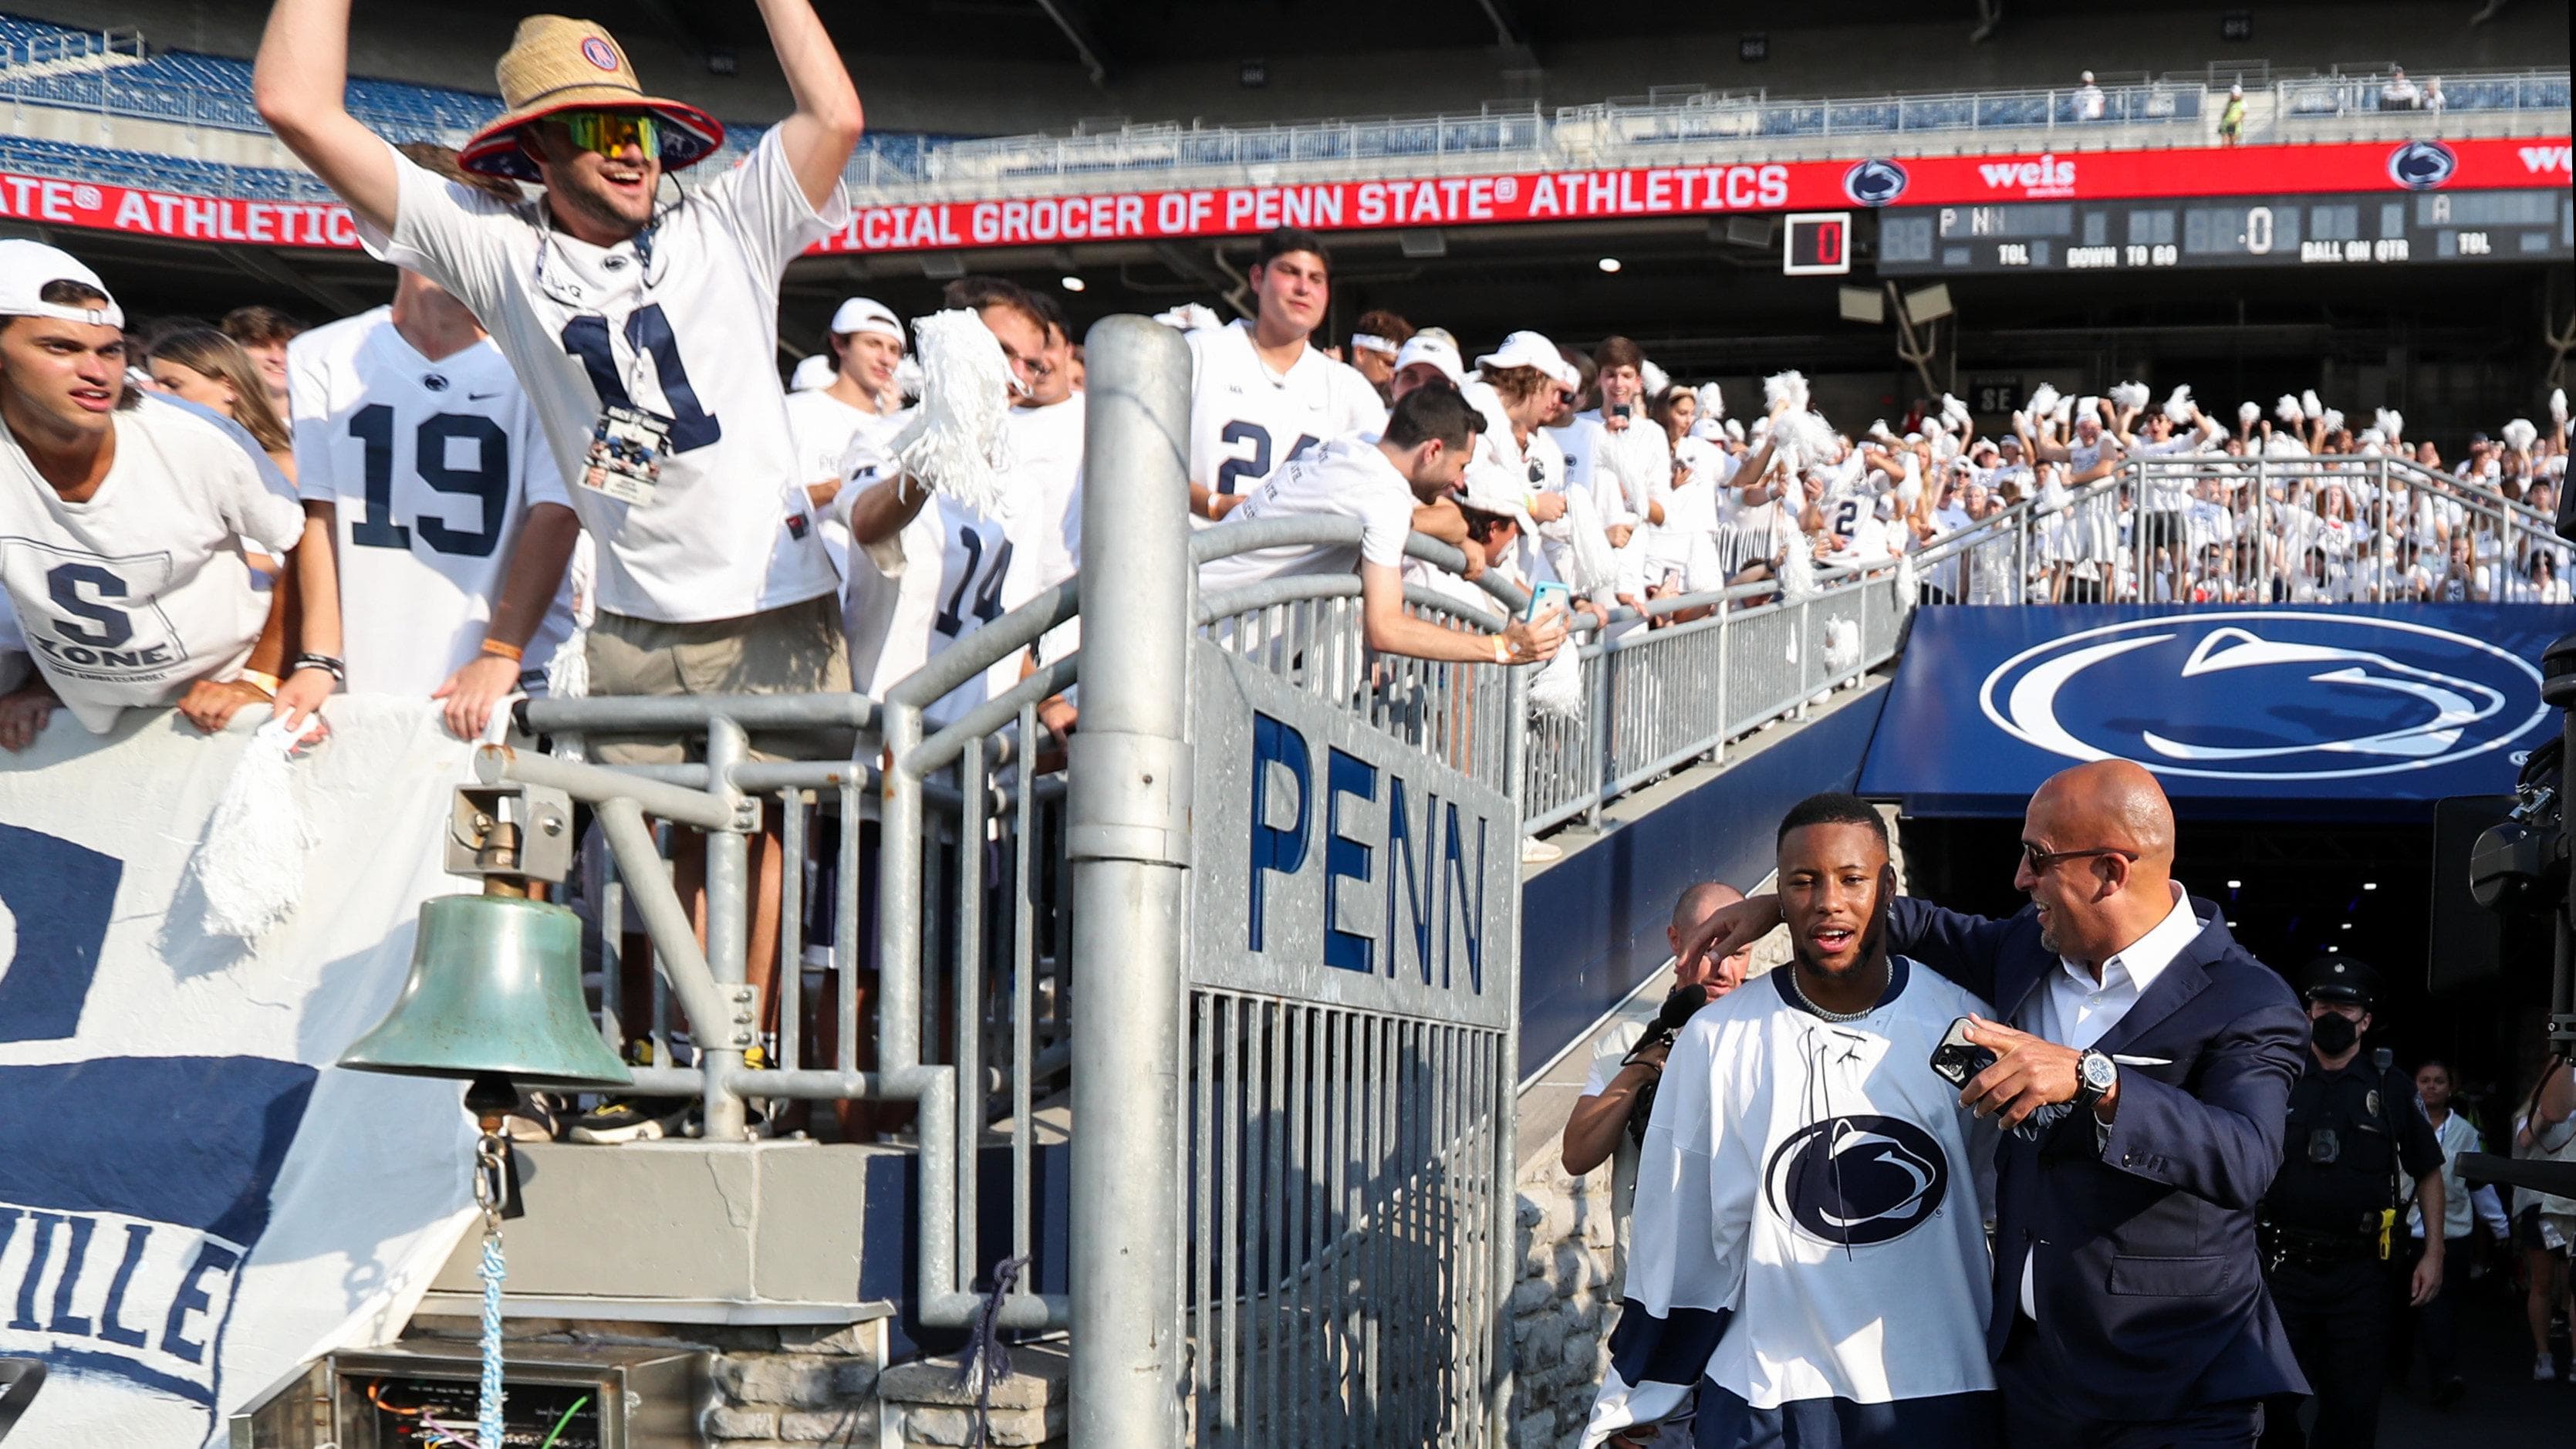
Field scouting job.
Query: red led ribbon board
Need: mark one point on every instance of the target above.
(1502, 199)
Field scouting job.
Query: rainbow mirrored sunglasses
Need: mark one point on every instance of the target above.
(608, 131)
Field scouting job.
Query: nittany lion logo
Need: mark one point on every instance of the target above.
(1858, 1181)
(2422, 165)
(1874, 183)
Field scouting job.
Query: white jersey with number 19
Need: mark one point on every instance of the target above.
(1247, 421)
(431, 468)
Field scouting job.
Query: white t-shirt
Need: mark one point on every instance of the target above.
(822, 427)
(127, 599)
(1639, 458)
(684, 326)
(1046, 531)
(1247, 421)
(431, 468)
(1344, 478)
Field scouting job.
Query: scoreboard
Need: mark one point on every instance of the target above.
(2354, 228)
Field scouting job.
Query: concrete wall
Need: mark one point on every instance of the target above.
(965, 91)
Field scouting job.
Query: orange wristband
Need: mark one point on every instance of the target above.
(511, 652)
(267, 682)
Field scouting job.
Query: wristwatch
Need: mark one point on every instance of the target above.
(2094, 1076)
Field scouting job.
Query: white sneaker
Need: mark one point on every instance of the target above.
(1535, 851)
(2545, 1371)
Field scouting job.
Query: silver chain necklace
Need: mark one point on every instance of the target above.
(1833, 1016)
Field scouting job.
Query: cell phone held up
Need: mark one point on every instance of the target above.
(1548, 594)
(1958, 1060)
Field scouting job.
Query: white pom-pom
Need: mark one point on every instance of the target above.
(907, 377)
(568, 673)
(2283, 445)
(1189, 317)
(1798, 570)
(1735, 430)
(1788, 387)
(1908, 583)
(1589, 556)
(2309, 405)
(251, 861)
(2372, 438)
(1878, 430)
(1842, 645)
(2043, 401)
(2021, 422)
(1655, 378)
(2289, 411)
(2248, 414)
(2066, 410)
(1712, 400)
(1803, 440)
(2519, 435)
(2334, 420)
(1556, 690)
(958, 442)
(2179, 406)
(2129, 394)
(2558, 406)
(1954, 412)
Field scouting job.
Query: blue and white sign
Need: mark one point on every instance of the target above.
(193, 1201)
(1331, 862)
(2366, 710)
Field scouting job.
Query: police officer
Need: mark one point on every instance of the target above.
(2329, 1221)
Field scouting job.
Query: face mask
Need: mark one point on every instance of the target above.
(2334, 1033)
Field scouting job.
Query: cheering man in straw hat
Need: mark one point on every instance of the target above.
(642, 322)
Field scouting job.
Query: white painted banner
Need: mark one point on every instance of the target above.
(193, 1200)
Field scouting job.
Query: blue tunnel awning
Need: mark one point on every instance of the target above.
(2354, 712)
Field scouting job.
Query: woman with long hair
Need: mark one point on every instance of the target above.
(2544, 1129)
(205, 367)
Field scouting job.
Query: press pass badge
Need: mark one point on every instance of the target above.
(625, 459)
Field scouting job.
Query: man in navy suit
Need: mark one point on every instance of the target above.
(2145, 1080)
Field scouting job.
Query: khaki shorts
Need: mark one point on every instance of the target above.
(794, 649)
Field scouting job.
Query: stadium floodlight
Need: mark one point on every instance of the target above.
(1861, 304)
(1073, 284)
(1609, 264)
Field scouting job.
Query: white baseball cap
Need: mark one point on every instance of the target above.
(1433, 348)
(812, 374)
(1532, 349)
(28, 267)
(867, 314)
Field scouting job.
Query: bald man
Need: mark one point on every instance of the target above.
(2144, 1063)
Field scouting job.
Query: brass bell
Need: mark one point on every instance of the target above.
(494, 992)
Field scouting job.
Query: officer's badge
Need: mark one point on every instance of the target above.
(2370, 1103)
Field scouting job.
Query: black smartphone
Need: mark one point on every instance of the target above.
(1957, 1059)
(1618, 410)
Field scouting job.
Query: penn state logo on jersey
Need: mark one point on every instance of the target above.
(2422, 165)
(1874, 183)
(1858, 1181)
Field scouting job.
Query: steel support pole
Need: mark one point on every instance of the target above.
(1127, 842)
(728, 933)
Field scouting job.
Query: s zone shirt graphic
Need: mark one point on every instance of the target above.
(106, 623)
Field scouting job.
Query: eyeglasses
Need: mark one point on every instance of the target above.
(2043, 860)
(607, 131)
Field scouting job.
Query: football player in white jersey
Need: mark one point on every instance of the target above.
(904, 612)
(1805, 1168)
(1260, 394)
(867, 344)
(420, 453)
(123, 527)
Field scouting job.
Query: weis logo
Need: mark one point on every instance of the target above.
(2544, 160)
(2046, 176)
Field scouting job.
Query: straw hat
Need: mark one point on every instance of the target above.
(559, 64)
